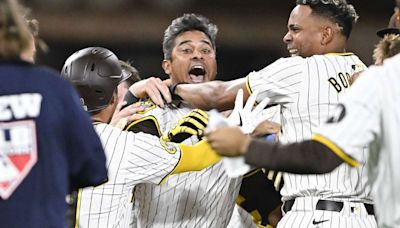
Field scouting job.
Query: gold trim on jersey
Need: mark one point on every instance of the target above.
(142, 120)
(78, 206)
(276, 178)
(168, 146)
(147, 105)
(256, 217)
(194, 158)
(252, 172)
(335, 149)
(248, 85)
(96, 123)
(240, 199)
(340, 54)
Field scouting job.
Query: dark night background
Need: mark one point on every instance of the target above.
(249, 38)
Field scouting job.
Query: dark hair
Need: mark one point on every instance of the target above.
(188, 22)
(15, 36)
(338, 11)
(129, 69)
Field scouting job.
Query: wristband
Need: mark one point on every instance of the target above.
(172, 90)
(130, 99)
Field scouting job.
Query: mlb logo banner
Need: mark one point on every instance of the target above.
(18, 154)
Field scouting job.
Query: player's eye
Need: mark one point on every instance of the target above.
(187, 51)
(295, 29)
(206, 51)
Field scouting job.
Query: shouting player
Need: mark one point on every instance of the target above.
(198, 199)
(131, 158)
(306, 86)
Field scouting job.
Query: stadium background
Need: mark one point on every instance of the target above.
(250, 31)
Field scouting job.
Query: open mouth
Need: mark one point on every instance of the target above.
(197, 74)
(293, 52)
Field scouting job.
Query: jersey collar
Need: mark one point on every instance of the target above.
(340, 54)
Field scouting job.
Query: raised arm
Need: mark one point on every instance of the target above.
(215, 94)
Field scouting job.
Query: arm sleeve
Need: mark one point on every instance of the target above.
(86, 157)
(148, 159)
(196, 157)
(300, 158)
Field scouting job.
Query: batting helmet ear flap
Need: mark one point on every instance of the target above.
(96, 73)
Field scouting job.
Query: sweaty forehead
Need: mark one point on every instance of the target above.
(192, 37)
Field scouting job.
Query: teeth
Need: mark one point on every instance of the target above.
(293, 52)
(196, 79)
(198, 67)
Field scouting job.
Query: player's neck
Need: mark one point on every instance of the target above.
(96, 120)
(101, 117)
(337, 46)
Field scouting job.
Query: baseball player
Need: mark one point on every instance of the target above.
(306, 86)
(201, 199)
(131, 158)
(198, 199)
(48, 146)
(366, 116)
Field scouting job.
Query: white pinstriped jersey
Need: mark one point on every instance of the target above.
(372, 116)
(194, 199)
(307, 90)
(131, 159)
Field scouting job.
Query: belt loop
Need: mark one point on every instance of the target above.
(369, 208)
(287, 205)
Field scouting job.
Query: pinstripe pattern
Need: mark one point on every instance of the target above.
(303, 88)
(241, 218)
(131, 159)
(372, 109)
(195, 199)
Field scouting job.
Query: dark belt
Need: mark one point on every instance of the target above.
(328, 205)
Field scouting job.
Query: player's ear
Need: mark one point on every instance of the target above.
(166, 65)
(114, 98)
(327, 35)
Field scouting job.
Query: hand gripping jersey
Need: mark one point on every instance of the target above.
(307, 89)
(48, 147)
(195, 199)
